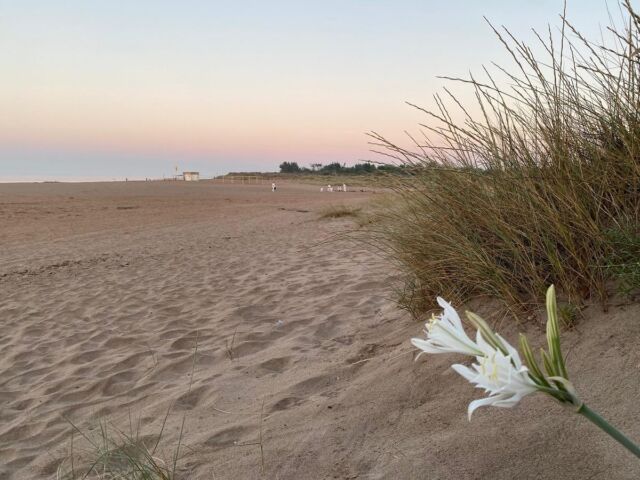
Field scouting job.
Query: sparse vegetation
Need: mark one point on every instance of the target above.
(527, 192)
(107, 453)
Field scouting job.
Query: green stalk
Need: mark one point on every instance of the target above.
(611, 430)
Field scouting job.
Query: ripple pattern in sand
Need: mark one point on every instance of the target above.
(93, 339)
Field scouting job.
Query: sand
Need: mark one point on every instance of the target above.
(283, 353)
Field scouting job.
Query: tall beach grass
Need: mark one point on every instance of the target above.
(528, 192)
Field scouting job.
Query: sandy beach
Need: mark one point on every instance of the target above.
(274, 344)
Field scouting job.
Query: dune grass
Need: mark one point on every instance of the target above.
(533, 190)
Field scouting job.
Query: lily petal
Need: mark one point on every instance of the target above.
(481, 402)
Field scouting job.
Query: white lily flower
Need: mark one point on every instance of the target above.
(445, 334)
(504, 377)
(499, 369)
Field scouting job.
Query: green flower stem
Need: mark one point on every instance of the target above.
(611, 430)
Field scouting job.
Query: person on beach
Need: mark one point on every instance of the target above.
(273, 187)
(344, 187)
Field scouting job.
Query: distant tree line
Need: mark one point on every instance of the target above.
(337, 168)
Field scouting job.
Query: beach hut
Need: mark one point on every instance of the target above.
(191, 176)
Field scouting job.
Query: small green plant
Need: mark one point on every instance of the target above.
(106, 452)
(568, 314)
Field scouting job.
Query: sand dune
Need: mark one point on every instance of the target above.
(227, 307)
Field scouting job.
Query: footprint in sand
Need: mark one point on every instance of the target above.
(286, 403)
(230, 437)
(276, 365)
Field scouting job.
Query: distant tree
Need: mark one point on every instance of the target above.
(289, 167)
(334, 168)
(367, 167)
(316, 166)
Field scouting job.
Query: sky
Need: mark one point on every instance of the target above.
(108, 89)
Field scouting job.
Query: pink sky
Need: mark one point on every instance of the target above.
(99, 89)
